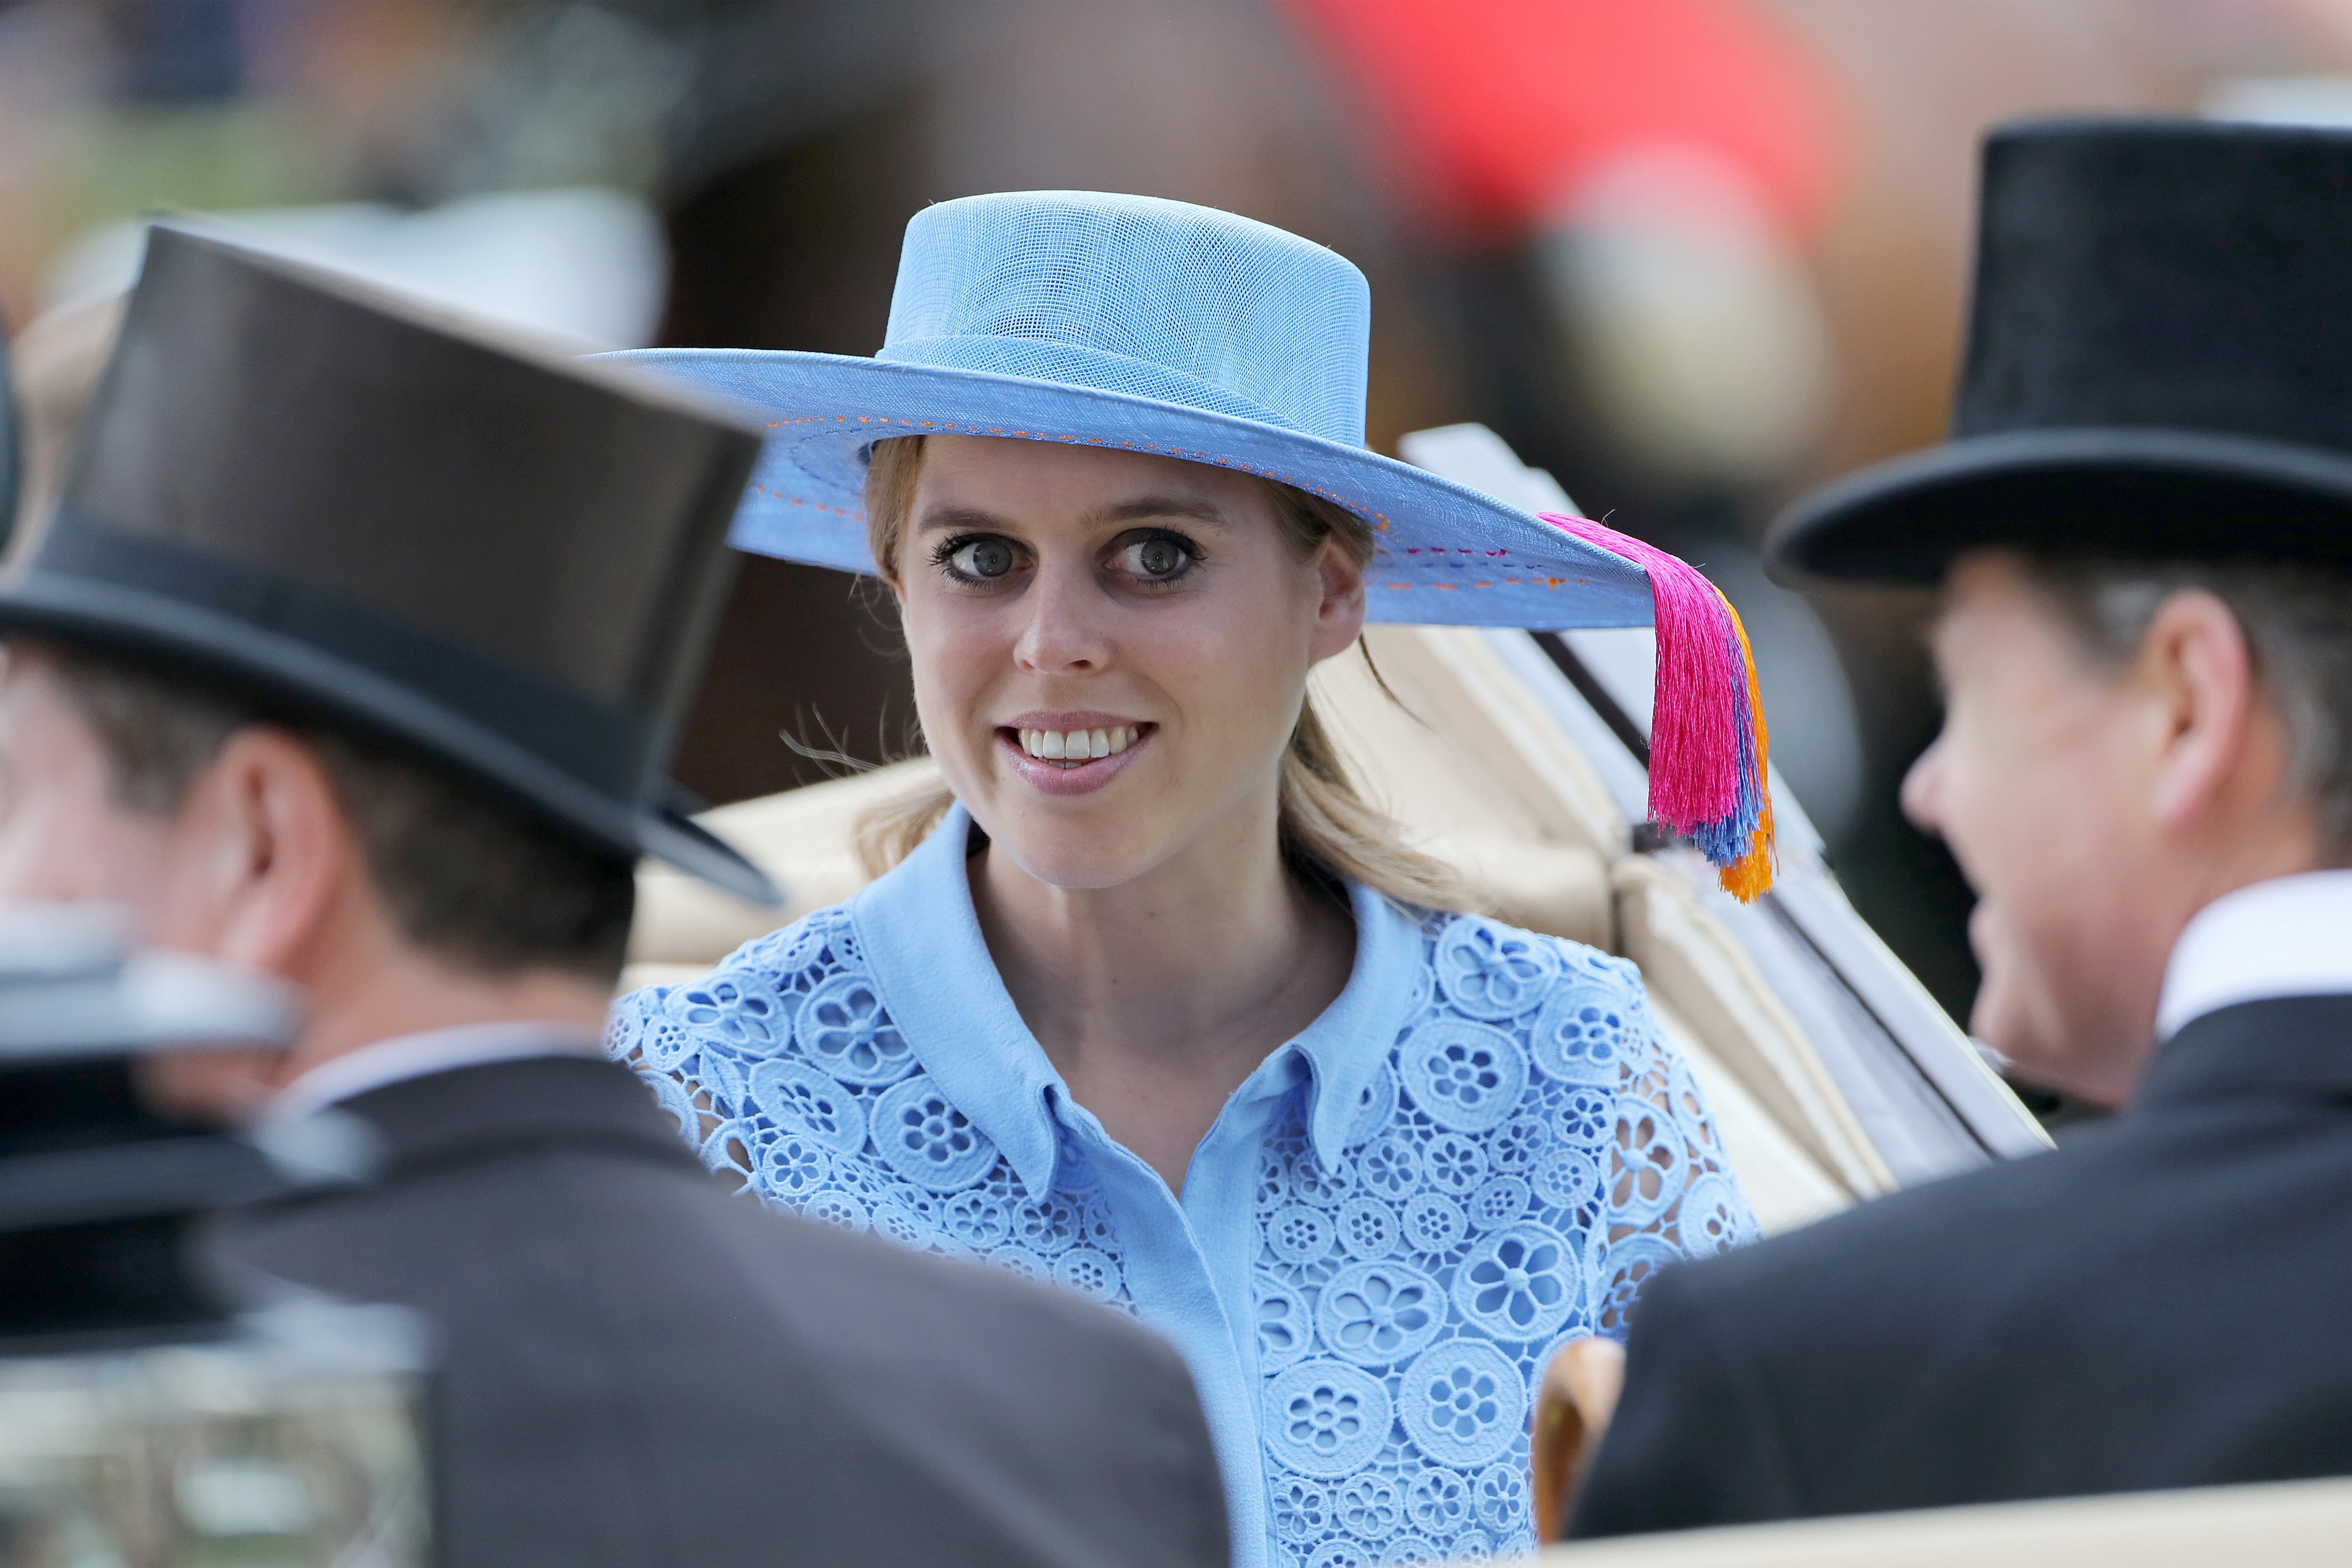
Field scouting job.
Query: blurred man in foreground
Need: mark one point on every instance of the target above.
(350, 656)
(2143, 530)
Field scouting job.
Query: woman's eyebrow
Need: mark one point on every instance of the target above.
(944, 518)
(939, 519)
(1144, 507)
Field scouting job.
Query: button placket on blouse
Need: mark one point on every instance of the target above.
(1219, 1194)
(1190, 1263)
(1182, 1284)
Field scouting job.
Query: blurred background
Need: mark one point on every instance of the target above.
(1691, 255)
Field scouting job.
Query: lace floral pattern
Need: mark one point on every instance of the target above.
(1527, 1158)
(786, 1071)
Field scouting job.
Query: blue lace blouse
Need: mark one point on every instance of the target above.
(1479, 1151)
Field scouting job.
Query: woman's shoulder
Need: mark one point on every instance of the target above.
(751, 1001)
(1570, 1016)
(1487, 970)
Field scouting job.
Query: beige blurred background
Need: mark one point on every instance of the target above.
(1689, 254)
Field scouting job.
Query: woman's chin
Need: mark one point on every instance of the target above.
(1076, 867)
(1077, 844)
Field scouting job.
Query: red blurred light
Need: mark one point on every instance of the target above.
(1495, 111)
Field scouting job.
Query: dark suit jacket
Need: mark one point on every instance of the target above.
(637, 1368)
(2166, 1300)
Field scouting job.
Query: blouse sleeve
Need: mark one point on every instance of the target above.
(655, 1031)
(698, 1046)
(1667, 1186)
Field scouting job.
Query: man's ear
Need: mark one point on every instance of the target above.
(1339, 608)
(2200, 671)
(264, 852)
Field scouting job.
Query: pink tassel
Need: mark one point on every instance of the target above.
(1708, 745)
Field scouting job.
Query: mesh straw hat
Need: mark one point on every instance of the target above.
(1158, 327)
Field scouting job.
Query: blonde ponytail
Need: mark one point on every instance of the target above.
(1326, 824)
(889, 830)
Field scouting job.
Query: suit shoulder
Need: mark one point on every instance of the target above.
(1904, 1254)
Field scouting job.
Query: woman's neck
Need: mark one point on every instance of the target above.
(1154, 999)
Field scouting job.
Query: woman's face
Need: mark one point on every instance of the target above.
(1110, 649)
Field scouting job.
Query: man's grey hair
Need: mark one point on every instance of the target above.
(2298, 624)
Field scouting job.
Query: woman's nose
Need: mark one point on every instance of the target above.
(1062, 633)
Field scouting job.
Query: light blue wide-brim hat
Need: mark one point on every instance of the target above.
(1150, 326)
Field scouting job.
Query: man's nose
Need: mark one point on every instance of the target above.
(1923, 789)
(1063, 633)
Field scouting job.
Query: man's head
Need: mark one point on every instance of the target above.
(2122, 744)
(397, 894)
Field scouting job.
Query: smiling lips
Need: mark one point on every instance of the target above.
(1076, 745)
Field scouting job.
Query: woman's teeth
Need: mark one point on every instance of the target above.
(1078, 745)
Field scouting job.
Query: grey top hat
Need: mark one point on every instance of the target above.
(507, 562)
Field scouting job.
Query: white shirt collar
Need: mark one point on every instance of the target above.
(407, 1056)
(2289, 936)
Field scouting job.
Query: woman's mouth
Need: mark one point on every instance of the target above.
(1073, 757)
(1076, 747)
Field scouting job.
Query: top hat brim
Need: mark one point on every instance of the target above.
(12, 449)
(2129, 493)
(82, 611)
(1445, 554)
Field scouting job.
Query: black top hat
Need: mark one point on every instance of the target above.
(507, 561)
(2160, 363)
(100, 1191)
(12, 449)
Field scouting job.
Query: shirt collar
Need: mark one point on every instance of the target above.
(2288, 937)
(407, 1056)
(921, 938)
(1348, 1045)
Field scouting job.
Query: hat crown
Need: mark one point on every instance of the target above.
(541, 515)
(2162, 274)
(1139, 296)
(498, 562)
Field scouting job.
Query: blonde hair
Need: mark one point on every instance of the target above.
(1324, 822)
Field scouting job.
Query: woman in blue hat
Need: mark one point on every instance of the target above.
(1151, 1004)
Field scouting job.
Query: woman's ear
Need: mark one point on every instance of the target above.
(262, 851)
(1339, 605)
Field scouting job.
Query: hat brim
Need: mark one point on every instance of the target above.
(2136, 493)
(79, 611)
(1445, 554)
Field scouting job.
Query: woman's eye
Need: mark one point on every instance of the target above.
(983, 558)
(1154, 557)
